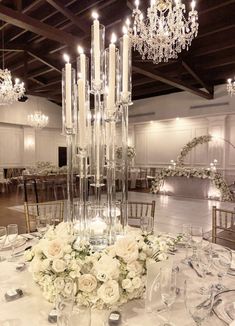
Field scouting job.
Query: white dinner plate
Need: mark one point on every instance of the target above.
(19, 242)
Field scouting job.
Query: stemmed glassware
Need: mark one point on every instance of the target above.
(64, 303)
(198, 303)
(186, 237)
(3, 237)
(12, 231)
(168, 290)
(222, 258)
(43, 224)
(196, 240)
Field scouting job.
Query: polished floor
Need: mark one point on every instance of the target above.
(171, 212)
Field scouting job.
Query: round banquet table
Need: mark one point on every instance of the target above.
(32, 309)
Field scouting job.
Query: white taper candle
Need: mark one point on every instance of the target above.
(96, 26)
(125, 61)
(112, 74)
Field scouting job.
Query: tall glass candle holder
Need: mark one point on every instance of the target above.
(97, 58)
(69, 103)
(125, 82)
(112, 84)
(125, 101)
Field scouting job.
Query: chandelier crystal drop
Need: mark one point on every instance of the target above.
(231, 86)
(166, 30)
(38, 120)
(9, 92)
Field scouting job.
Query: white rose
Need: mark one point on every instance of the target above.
(126, 283)
(135, 267)
(136, 282)
(58, 265)
(127, 249)
(28, 255)
(67, 249)
(109, 292)
(53, 249)
(106, 268)
(142, 256)
(46, 264)
(87, 283)
(59, 283)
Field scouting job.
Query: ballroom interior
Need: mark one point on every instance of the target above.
(117, 116)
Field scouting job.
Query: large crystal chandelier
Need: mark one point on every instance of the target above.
(165, 31)
(38, 120)
(9, 92)
(231, 86)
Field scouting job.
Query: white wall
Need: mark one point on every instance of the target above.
(21, 145)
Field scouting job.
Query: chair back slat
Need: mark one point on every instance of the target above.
(223, 226)
(138, 210)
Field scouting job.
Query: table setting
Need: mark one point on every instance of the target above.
(182, 282)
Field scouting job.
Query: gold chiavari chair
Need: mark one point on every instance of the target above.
(138, 210)
(53, 209)
(223, 227)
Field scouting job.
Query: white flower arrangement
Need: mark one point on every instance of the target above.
(102, 279)
(190, 145)
(131, 153)
(215, 177)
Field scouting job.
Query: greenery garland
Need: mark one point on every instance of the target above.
(215, 177)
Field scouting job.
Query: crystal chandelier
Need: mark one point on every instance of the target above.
(9, 92)
(38, 120)
(231, 86)
(165, 31)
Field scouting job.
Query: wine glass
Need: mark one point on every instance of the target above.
(196, 240)
(168, 290)
(43, 223)
(198, 303)
(12, 231)
(3, 237)
(222, 258)
(64, 303)
(186, 237)
(147, 224)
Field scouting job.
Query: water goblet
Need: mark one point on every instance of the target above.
(186, 237)
(222, 259)
(196, 240)
(168, 290)
(43, 223)
(12, 231)
(64, 303)
(198, 303)
(3, 237)
(147, 224)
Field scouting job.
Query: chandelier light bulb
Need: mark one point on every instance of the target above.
(17, 80)
(231, 86)
(128, 22)
(137, 3)
(193, 4)
(66, 58)
(95, 15)
(230, 80)
(38, 120)
(113, 38)
(152, 3)
(10, 92)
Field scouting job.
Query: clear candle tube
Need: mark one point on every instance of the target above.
(97, 57)
(69, 103)
(125, 83)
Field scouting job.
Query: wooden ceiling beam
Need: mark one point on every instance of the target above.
(47, 95)
(52, 83)
(48, 62)
(40, 72)
(223, 3)
(196, 76)
(173, 82)
(58, 5)
(26, 22)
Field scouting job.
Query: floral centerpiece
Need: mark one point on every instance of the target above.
(131, 153)
(102, 279)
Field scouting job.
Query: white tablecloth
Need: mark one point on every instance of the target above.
(32, 309)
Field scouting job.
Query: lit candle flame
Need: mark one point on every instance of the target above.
(95, 15)
(113, 38)
(229, 80)
(124, 29)
(17, 80)
(137, 3)
(66, 58)
(128, 22)
(80, 50)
